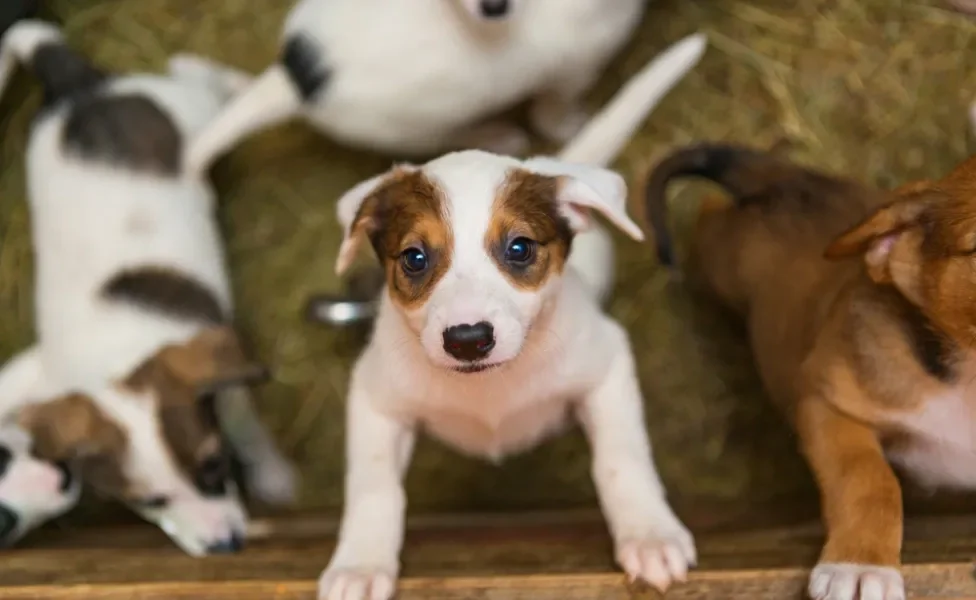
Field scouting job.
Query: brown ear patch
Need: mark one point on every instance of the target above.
(527, 207)
(407, 211)
(73, 428)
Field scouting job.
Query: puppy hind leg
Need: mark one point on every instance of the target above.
(861, 505)
(269, 476)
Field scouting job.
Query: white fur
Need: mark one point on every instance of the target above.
(843, 581)
(89, 221)
(557, 357)
(419, 77)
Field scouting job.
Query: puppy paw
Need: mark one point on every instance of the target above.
(559, 126)
(846, 581)
(357, 584)
(273, 482)
(658, 560)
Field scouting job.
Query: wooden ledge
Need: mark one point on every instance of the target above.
(551, 556)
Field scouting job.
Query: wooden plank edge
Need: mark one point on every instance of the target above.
(924, 582)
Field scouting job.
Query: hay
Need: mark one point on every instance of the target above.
(876, 89)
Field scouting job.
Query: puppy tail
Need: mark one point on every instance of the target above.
(18, 45)
(726, 165)
(271, 99)
(606, 134)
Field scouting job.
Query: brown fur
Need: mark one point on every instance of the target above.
(72, 428)
(527, 207)
(407, 210)
(845, 347)
(183, 379)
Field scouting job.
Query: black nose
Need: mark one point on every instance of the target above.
(235, 543)
(494, 9)
(469, 342)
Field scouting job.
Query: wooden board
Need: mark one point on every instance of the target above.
(539, 557)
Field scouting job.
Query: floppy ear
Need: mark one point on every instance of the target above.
(211, 361)
(876, 236)
(357, 218)
(69, 427)
(584, 188)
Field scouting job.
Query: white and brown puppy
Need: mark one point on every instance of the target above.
(490, 335)
(137, 374)
(421, 77)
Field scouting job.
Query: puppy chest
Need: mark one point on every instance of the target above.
(494, 435)
(937, 446)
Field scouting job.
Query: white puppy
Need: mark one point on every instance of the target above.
(420, 77)
(137, 374)
(490, 335)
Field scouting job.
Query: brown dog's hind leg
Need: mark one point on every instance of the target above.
(861, 504)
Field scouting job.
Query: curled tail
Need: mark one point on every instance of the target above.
(40, 46)
(736, 168)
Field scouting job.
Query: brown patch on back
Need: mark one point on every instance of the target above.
(185, 380)
(527, 206)
(72, 428)
(407, 210)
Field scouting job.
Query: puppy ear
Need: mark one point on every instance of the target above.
(584, 188)
(357, 215)
(211, 361)
(876, 236)
(69, 427)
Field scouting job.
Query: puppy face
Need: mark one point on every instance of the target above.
(153, 441)
(490, 10)
(474, 246)
(924, 244)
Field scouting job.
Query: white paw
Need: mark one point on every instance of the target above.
(845, 581)
(659, 561)
(357, 584)
(560, 126)
(273, 481)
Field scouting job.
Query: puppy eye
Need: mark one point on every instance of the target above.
(151, 502)
(211, 476)
(414, 261)
(520, 251)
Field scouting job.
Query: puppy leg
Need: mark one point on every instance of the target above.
(861, 503)
(650, 542)
(270, 476)
(497, 137)
(203, 70)
(367, 558)
(557, 112)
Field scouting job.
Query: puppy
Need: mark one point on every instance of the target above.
(420, 77)
(871, 359)
(489, 334)
(137, 374)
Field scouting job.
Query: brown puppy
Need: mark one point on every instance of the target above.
(871, 359)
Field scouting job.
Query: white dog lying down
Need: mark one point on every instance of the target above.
(421, 77)
(137, 373)
(490, 334)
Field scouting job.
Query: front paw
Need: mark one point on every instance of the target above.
(352, 583)
(847, 581)
(659, 560)
(273, 481)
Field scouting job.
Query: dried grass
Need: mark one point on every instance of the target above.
(875, 89)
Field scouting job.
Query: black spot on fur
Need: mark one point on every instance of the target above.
(165, 291)
(302, 59)
(934, 350)
(131, 131)
(5, 457)
(64, 73)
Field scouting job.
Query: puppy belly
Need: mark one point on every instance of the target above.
(935, 464)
